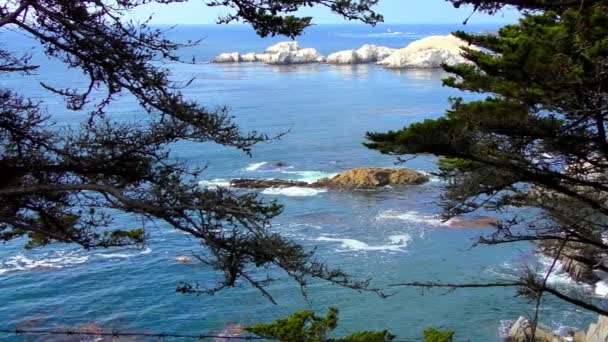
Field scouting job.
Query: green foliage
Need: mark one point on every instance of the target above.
(305, 326)
(537, 140)
(436, 335)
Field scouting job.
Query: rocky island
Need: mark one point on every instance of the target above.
(359, 178)
(426, 53)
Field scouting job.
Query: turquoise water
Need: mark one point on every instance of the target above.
(389, 235)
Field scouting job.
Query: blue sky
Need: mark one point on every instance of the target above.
(394, 11)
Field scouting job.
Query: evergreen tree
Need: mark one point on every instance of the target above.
(67, 185)
(537, 140)
(305, 326)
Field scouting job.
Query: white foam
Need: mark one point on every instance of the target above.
(601, 288)
(56, 260)
(398, 242)
(558, 276)
(215, 183)
(255, 166)
(147, 250)
(410, 216)
(293, 191)
(310, 176)
(432, 178)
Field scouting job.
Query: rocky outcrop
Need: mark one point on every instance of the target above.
(571, 259)
(476, 222)
(280, 53)
(597, 332)
(360, 178)
(228, 57)
(430, 52)
(183, 259)
(365, 54)
(253, 183)
(301, 56)
(521, 331)
(372, 177)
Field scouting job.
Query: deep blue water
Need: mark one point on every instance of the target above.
(390, 235)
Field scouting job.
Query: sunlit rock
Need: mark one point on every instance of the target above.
(430, 52)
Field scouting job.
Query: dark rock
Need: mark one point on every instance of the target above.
(249, 183)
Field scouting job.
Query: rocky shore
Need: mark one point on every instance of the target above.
(521, 331)
(429, 52)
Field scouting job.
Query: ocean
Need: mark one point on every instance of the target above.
(388, 235)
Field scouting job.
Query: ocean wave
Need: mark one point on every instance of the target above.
(214, 183)
(410, 216)
(147, 250)
(310, 176)
(432, 178)
(541, 266)
(266, 167)
(601, 288)
(397, 243)
(255, 166)
(48, 261)
(557, 277)
(293, 191)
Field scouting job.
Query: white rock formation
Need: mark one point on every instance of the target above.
(343, 57)
(372, 53)
(249, 57)
(228, 57)
(283, 47)
(430, 52)
(300, 56)
(281, 53)
(365, 54)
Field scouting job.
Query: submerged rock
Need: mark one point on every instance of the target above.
(183, 259)
(476, 222)
(521, 331)
(429, 52)
(253, 183)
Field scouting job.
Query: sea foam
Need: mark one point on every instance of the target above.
(397, 243)
(293, 191)
(255, 166)
(48, 261)
(215, 183)
(410, 216)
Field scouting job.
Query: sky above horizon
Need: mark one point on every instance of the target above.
(394, 11)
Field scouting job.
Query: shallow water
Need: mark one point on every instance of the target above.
(391, 235)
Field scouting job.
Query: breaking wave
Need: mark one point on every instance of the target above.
(397, 243)
(59, 259)
(310, 176)
(47, 261)
(255, 166)
(293, 191)
(410, 216)
(214, 183)
(147, 250)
